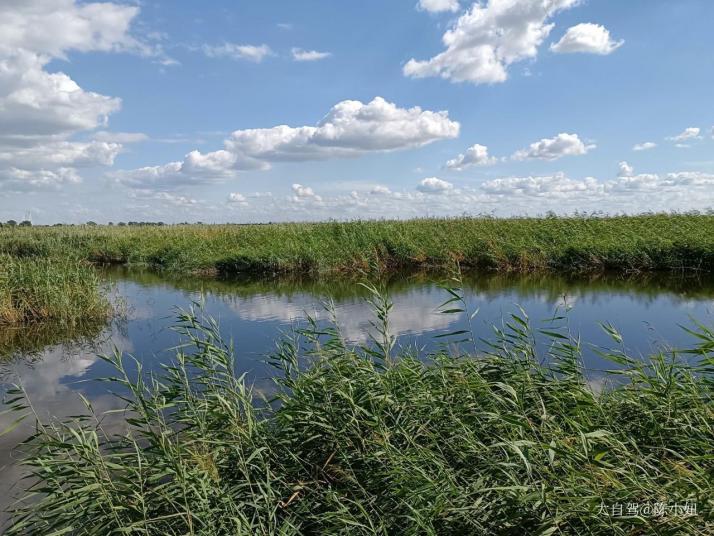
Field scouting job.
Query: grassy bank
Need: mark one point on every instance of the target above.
(62, 290)
(359, 441)
(639, 243)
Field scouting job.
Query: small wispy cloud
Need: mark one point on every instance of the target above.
(646, 146)
(300, 54)
(120, 137)
(438, 6)
(254, 53)
(690, 133)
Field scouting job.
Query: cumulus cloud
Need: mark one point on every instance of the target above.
(20, 180)
(60, 154)
(350, 129)
(35, 103)
(41, 111)
(558, 185)
(305, 192)
(434, 185)
(587, 38)
(628, 192)
(254, 53)
(502, 196)
(690, 133)
(380, 190)
(53, 27)
(646, 146)
(438, 6)
(235, 197)
(563, 144)
(488, 38)
(625, 170)
(309, 55)
(476, 155)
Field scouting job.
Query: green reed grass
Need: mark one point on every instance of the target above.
(357, 440)
(38, 289)
(571, 244)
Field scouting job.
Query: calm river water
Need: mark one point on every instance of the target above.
(54, 366)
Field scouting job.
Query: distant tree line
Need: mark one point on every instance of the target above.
(27, 223)
(13, 223)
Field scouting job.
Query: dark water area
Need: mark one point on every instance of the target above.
(54, 366)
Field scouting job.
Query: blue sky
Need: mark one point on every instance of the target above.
(168, 111)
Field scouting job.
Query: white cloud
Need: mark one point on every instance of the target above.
(488, 38)
(235, 197)
(625, 170)
(557, 185)
(19, 180)
(60, 154)
(587, 38)
(35, 103)
(167, 198)
(380, 190)
(646, 146)
(502, 196)
(505, 196)
(309, 55)
(350, 129)
(629, 194)
(254, 53)
(433, 185)
(690, 133)
(438, 6)
(305, 192)
(40, 111)
(563, 144)
(476, 155)
(177, 200)
(52, 27)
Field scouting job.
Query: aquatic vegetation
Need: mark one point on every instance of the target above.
(569, 244)
(357, 440)
(37, 289)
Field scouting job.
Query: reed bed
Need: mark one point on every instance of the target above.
(568, 244)
(64, 291)
(358, 440)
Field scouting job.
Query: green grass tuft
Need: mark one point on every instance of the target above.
(38, 289)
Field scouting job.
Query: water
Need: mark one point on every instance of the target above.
(54, 366)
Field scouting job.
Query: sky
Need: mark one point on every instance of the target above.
(257, 111)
